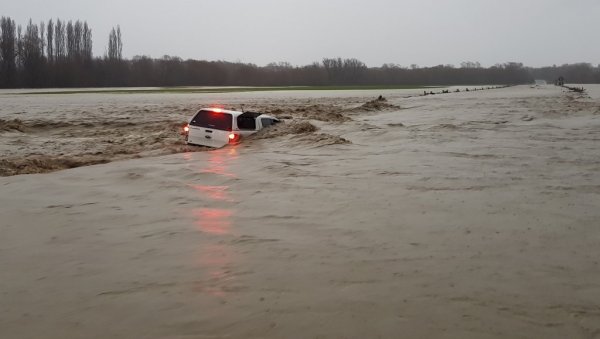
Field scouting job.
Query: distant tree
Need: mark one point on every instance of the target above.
(32, 56)
(87, 43)
(19, 53)
(78, 40)
(42, 40)
(71, 47)
(8, 53)
(59, 41)
(353, 71)
(115, 45)
(119, 44)
(334, 68)
(470, 64)
(50, 41)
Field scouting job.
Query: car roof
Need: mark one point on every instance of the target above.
(237, 113)
(221, 110)
(251, 114)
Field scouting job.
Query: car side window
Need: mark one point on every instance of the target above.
(246, 122)
(266, 122)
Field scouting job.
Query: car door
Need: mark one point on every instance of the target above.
(247, 124)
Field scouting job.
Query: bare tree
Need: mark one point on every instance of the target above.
(354, 71)
(42, 40)
(59, 41)
(50, 41)
(470, 64)
(32, 56)
(119, 44)
(87, 43)
(78, 40)
(334, 68)
(8, 53)
(112, 45)
(71, 53)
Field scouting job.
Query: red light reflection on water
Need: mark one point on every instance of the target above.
(213, 220)
(218, 193)
(218, 161)
(215, 258)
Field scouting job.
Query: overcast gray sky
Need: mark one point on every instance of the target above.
(423, 32)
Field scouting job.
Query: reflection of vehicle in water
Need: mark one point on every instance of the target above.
(216, 127)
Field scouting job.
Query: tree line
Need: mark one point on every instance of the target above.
(59, 54)
(52, 54)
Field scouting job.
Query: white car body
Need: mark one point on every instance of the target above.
(216, 127)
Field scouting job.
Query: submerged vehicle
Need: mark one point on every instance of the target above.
(217, 127)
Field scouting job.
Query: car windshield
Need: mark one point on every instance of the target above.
(214, 120)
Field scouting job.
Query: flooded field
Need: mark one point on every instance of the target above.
(43, 132)
(462, 215)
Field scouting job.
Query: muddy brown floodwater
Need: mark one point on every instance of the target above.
(51, 138)
(463, 215)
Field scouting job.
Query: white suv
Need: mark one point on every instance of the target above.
(216, 127)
